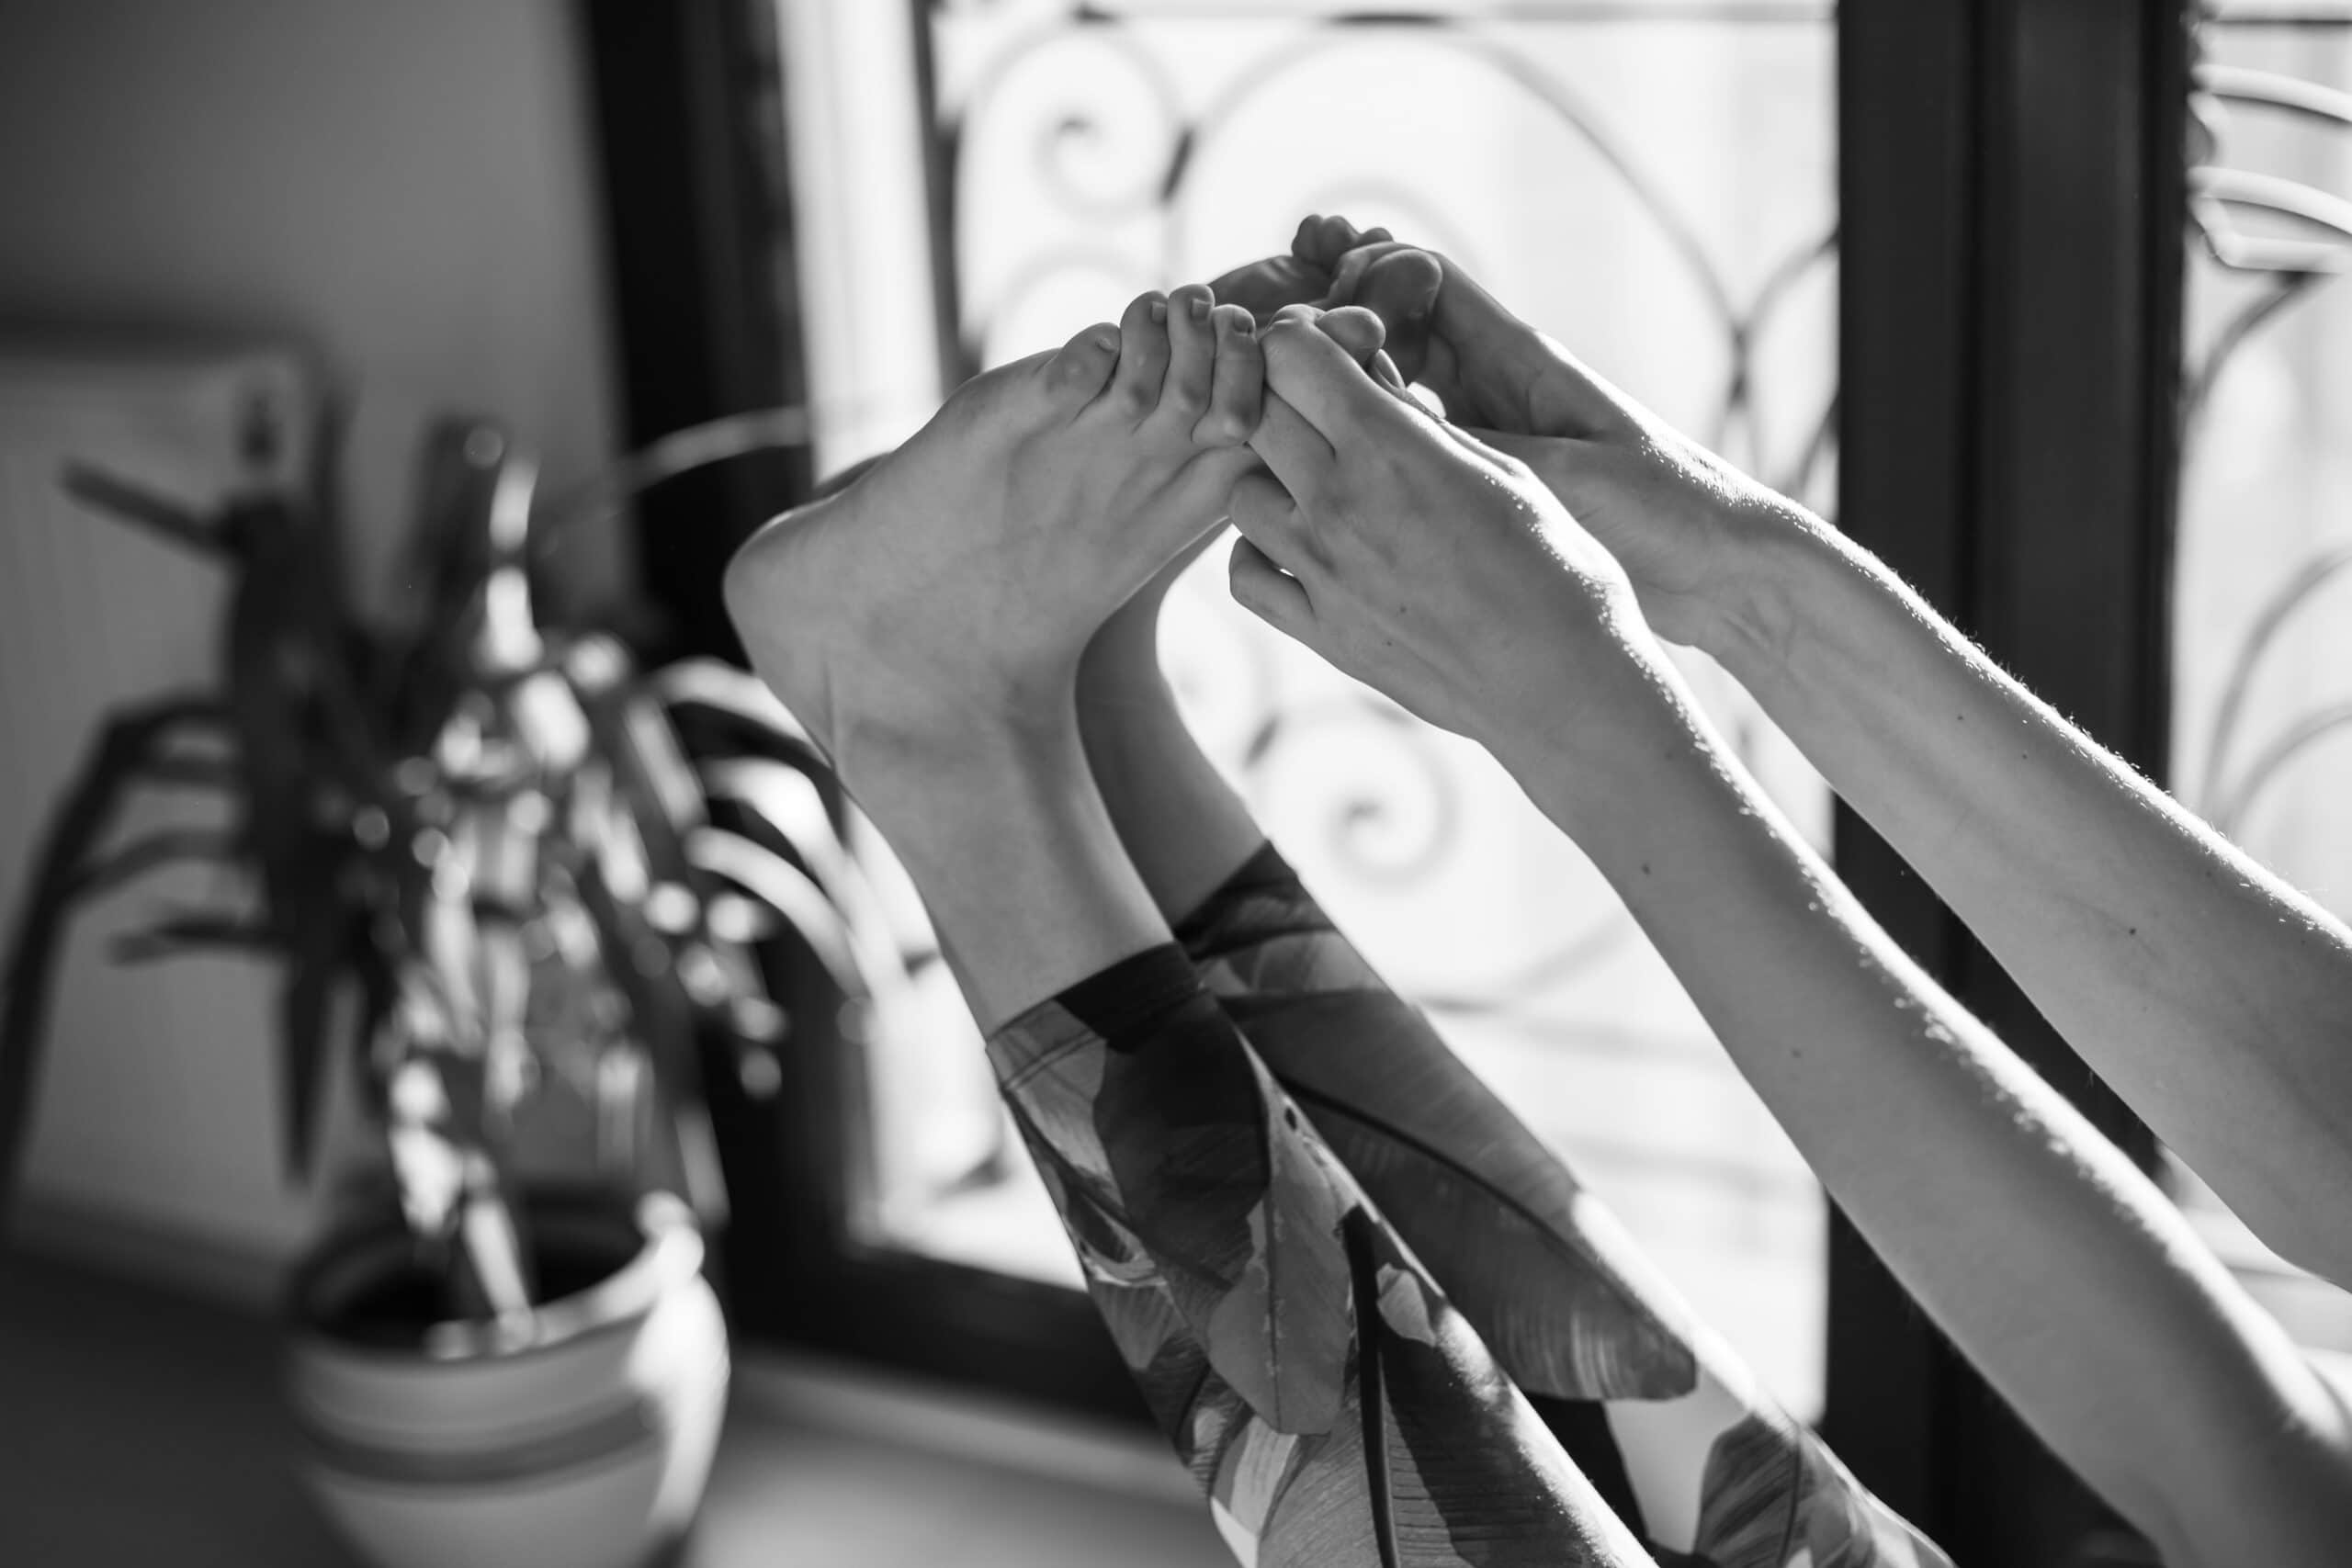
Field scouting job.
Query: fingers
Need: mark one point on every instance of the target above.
(1238, 383)
(1360, 333)
(1262, 288)
(1293, 448)
(1192, 357)
(1309, 370)
(1401, 288)
(1143, 357)
(1322, 241)
(1267, 592)
(1357, 331)
(1264, 511)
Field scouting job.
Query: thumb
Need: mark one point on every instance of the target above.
(1355, 329)
(1401, 288)
(1358, 332)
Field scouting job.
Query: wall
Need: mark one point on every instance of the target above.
(407, 191)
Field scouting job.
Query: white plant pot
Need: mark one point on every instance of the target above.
(581, 1439)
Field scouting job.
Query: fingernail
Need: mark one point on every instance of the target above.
(1200, 309)
(1159, 309)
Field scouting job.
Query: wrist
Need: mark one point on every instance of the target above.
(1577, 713)
(1775, 569)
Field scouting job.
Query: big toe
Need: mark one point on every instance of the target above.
(1081, 367)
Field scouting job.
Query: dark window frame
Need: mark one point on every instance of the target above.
(2012, 194)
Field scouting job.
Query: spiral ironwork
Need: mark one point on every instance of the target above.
(2291, 241)
(1117, 141)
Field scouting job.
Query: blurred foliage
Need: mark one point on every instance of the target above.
(475, 845)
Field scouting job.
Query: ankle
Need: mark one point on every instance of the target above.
(943, 736)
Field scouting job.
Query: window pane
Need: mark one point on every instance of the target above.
(1652, 184)
(2262, 635)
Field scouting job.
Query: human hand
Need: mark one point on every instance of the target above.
(1263, 287)
(1122, 661)
(1684, 524)
(1419, 560)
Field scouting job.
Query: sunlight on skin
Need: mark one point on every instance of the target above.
(2054, 1264)
(927, 623)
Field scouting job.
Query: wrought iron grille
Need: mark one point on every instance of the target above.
(2262, 590)
(1653, 183)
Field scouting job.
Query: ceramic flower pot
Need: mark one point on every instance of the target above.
(583, 1436)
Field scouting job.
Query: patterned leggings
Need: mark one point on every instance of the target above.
(1378, 1319)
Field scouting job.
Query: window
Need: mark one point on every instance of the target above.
(849, 205)
(1655, 184)
(2262, 613)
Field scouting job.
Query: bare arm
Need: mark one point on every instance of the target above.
(2054, 1264)
(2215, 998)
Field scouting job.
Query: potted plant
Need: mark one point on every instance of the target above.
(479, 840)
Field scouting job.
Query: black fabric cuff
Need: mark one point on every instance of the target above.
(1135, 994)
(1263, 874)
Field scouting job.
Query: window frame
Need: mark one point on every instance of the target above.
(2009, 343)
(2012, 188)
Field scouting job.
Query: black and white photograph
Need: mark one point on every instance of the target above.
(1175, 784)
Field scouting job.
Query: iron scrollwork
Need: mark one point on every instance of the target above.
(2302, 242)
(1117, 144)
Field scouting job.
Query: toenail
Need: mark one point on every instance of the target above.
(1107, 341)
(1159, 309)
(1200, 309)
(1246, 327)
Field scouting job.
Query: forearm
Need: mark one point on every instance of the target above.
(2217, 1001)
(2053, 1263)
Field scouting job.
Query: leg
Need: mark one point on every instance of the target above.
(1656, 1410)
(926, 625)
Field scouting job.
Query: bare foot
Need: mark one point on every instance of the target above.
(957, 580)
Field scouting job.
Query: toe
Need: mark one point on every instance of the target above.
(1192, 357)
(1239, 382)
(1133, 391)
(1077, 375)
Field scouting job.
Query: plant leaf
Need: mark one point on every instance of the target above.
(144, 509)
(81, 819)
(303, 1001)
(791, 892)
(211, 845)
(739, 696)
(783, 800)
(177, 934)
